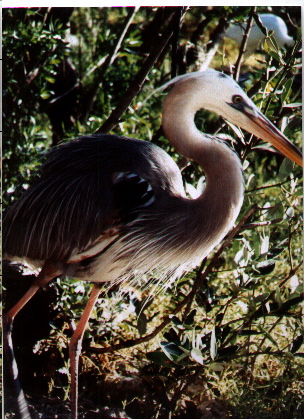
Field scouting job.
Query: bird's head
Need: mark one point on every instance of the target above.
(221, 94)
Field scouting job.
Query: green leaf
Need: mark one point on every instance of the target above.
(275, 55)
(290, 212)
(293, 126)
(293, 105)
(264, 245)
(216, 366)
(50, 79)
(285, 169)
(158, 357)
(278, 297)
(296, 344)
(286, 90)
(249, 332)
(290, 303)
(190, 318)
(173, 351)
(261, 297)
(274, 42)
(269, 336)
(45, 95)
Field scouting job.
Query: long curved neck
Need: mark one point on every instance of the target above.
(221, 200)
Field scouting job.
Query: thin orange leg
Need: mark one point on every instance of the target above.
(48, 272)
(75, 347)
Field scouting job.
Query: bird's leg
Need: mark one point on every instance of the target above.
(75, 347)
(48, 272)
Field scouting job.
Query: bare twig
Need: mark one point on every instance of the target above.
(159, 44)
(191, 50)
(259, 349)
(107, 61)
(261, 224)
(214, 42)
(255, 314)
(244, 44)
(267, 186)
(187, 380)
(256, 353)
(175, 37)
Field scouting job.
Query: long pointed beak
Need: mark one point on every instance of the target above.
(260, 126)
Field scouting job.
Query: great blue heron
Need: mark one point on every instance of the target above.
(271, 22)
(108, 208)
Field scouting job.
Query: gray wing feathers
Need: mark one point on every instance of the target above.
(72, 202)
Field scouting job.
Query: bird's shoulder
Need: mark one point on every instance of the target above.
(106, 155)
(86, 187)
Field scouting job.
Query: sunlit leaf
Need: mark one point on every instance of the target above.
(197, 356)
(213, 345)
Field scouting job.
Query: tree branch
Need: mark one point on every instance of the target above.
(256, 313)
(106, 62)
(214, 42)
(244, 44)
(159, 44)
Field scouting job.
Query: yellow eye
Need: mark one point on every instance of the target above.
(237, 99)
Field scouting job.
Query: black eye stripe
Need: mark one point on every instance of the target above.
(241, 105)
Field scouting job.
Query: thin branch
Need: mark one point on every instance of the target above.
(106, 62)
(214, 42)
(289, 246)
(256, 312)
(136, 85)
(259, 349)
(261, 224)
(256, 353)
(244, 44)
(268, 186)
(286, 68)
(192, 50)
(174, 42)
(198, 279)
(184, 384)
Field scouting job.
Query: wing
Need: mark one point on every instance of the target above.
(86, 190)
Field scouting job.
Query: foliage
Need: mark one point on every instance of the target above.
(32, 52)
(229, 339)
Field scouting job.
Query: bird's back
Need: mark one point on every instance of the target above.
(84, 188)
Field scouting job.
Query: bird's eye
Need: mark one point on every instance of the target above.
(237, 99)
